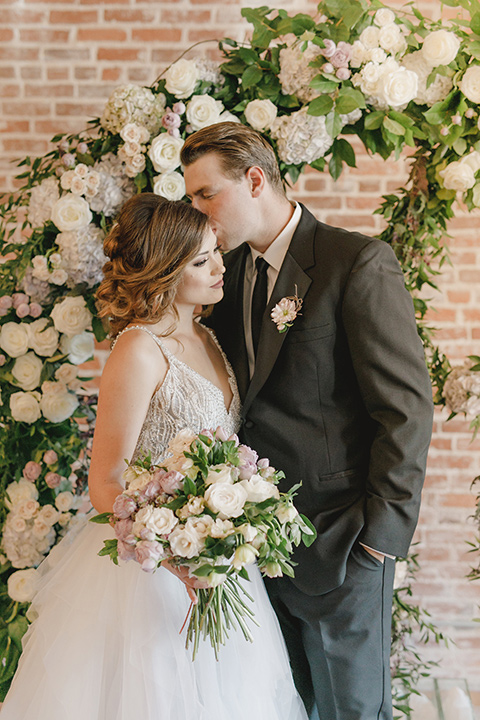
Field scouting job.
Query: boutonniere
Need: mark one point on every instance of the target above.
(285, 312)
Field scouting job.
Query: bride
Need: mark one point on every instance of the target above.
(105, 644)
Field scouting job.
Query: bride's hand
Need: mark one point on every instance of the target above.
(191, 583)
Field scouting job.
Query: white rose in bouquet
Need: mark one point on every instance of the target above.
(71, 212)
(244, 555)
(440, 47)
(42, 339)
(470, 84)
(24, 407)
(48, 514)
(181, 78)
(286, 513)
(57, 403)
(161, 521)
(64, 501)
(71, 316)
(27, 370)
(169, 185)
(22, 585)
(260, 114)
(203, 110)
(225, 499)
(79, 348)
(14, 339)
(221, 474)
(165, 152)
(258, 489)
(185, 541)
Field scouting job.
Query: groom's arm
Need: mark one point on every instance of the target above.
(389, 363)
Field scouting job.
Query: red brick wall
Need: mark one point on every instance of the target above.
(60, 59)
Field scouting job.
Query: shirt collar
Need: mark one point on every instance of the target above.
(276, 251)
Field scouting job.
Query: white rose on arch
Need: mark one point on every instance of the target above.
(20, 491)
(260, 114)
(25, 407)
(397, 86)
(42, 339)
(71, 212)
(169, 185)
(440, 47)
(57, 403)
(27, 371)
(470, 84)
(79, 348)
(22, 585)
(203, 110)
(165, 152)
(71, 316)
(181, 78)
(14, 339)
(460, 174)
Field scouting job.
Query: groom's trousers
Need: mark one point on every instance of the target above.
(339, 642)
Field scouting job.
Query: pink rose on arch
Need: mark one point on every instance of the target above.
(32, 471)
(53, 479)
(124, 506)
(329, 49)
(35, 309)
(171, 482)
(179, 108)
(171, 120)
(22, 310)
(50, 457)
(19, 299)
(341, 56)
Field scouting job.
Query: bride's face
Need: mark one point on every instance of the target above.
(202, 280)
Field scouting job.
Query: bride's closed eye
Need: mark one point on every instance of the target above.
(201, 262)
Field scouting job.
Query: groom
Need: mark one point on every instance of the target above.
(341, 402)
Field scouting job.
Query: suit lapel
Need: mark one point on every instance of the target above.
(292, 279)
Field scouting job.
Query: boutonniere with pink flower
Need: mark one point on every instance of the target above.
(285, 311)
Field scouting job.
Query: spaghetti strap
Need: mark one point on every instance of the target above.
(168, 353)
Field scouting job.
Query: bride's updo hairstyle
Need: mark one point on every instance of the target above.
(149, 247)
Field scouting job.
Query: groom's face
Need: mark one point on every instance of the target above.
(228, 202)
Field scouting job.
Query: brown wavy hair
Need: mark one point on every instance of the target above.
(149, 247)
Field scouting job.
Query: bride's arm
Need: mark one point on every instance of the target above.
(132, 372)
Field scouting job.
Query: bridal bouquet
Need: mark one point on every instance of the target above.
(214, 508)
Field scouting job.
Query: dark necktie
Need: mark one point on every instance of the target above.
(259, 299)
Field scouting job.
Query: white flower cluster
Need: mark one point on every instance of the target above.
(42, 199)
(114, 189)
(133, 104)
(460, 175)
(301, 138)
(81, 181)
(462, 391)
(387, 84)
(49, 269)
(437, 90)
(133, 151)
(82, 256)
(295, 72)
(29, 530)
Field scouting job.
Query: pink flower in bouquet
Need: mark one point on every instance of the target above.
(171, 482)
(207, 433)
(35, 309)
(329, 49)
(235, 439)
(126, 551)
(53, 479)
(124, 506)
(154, 488)
(220, 434)
(248, 462)
(50, 457)
(148, 553)
(123, 529)
(6, 303)
(22, 310)
(32, 471)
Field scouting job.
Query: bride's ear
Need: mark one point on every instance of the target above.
(256, 180)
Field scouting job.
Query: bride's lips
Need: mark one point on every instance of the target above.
(217, 285)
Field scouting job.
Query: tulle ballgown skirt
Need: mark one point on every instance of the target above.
(106, 646)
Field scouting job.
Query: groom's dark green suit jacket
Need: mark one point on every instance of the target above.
(342, 401)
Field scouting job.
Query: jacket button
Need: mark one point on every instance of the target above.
(249, 424)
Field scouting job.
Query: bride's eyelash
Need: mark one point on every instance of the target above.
(200, 263)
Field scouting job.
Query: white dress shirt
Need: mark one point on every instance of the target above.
(274, 256)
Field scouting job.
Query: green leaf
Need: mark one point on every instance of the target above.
(252, 76)
(349, 100)
(98, 329)
(320, 106)
(17, 629)
(322, 85)
(102, 518)
(345, 150)
(333, 124)
(374, 120)
(393, 126)
(308, 537)
(189, 486)
(141, 181)
(335, 166)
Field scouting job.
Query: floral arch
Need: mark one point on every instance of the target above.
(311, 85)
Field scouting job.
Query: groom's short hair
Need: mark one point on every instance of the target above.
(239, 148)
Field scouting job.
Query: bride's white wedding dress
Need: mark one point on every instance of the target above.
(106, 643)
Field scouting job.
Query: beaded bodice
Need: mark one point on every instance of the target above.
(185, 399)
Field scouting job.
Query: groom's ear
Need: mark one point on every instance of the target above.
(256, 180)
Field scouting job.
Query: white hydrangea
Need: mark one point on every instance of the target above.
(301, 138)
(133, 104)
(295, 73)
(209, 71)
(437, 90)
(42, 199)
(82, 255)
(114, 188)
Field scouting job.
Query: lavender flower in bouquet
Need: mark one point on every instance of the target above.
(214, 508)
